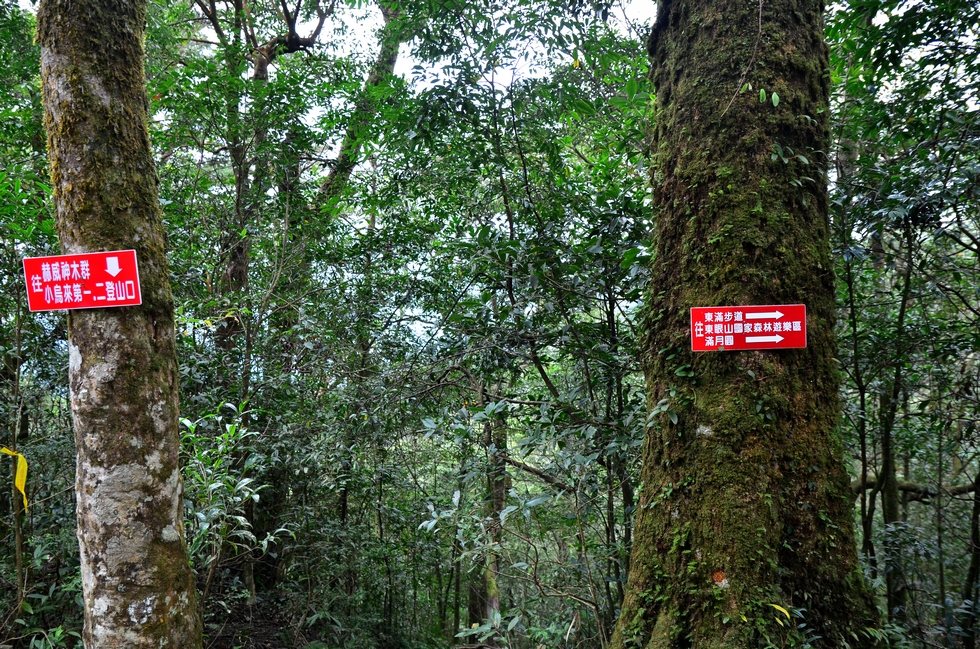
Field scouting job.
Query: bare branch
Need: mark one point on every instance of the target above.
(547, 477)
(916, 491)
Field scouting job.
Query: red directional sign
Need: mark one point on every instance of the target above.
(733, 328)
(89, 281)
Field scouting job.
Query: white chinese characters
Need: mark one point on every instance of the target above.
(116, 291)
(82, 281)
(748, 327)
(730, 322)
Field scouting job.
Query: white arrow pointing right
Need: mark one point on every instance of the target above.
(763, 339)
(768, 315)
(112, 266)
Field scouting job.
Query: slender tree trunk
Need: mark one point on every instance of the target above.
(895, 582)
(392, 35)
(867, 501)
(476, 598)
(972, 580)
(10, 373)
(457, 578)
(891, 514)
(745, 504)
(137, 584)
(18, 504)
(496, 431)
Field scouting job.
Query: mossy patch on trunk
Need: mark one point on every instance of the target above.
(745, 516)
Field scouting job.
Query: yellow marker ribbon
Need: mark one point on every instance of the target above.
(20, 479)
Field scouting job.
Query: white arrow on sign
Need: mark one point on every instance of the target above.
(763, 339)
(769, 315)
(112, 266)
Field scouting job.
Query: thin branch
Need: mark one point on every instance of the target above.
(916, 491)
(547, 477)
(948, 289)
(974, 248)
(544, 375)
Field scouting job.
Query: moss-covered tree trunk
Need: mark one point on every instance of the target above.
(137, 583)
(745, 508)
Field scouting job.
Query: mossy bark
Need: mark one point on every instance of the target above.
(745, 505)
(138, 587)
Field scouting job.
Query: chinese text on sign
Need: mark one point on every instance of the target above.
(86, 281)
(732, 328)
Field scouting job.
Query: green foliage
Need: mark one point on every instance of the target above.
(904, 211)
(217, 489)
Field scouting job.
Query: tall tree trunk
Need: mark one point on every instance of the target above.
(857, 372)
(392, 35)
(495, 430)
(457, 578)
(972, 580)
(476, 599)
(10, 368)
(137, 584)
(891, 516)
(745, 504)
(895, 582)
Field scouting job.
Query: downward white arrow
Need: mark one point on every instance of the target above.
(763, 339)
(112, 266)
(769, 315)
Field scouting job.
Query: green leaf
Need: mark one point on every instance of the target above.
(762, 95)
(673, 416)
(628, 258)
(583, 108)
(775, 99)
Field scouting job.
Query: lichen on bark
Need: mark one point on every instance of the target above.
(745, 508)
(138, 587)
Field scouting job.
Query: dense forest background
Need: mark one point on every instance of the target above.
(409, 248)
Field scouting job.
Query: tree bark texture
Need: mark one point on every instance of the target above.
(745, 508)
(968, 617)
(137, 583)
(495, 430)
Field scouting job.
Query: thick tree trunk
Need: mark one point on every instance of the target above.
(137, 583)
(745, 504)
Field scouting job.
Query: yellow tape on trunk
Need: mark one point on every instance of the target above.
(20, 480)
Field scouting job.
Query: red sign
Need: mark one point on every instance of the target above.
(89, 281)
(733, 328)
